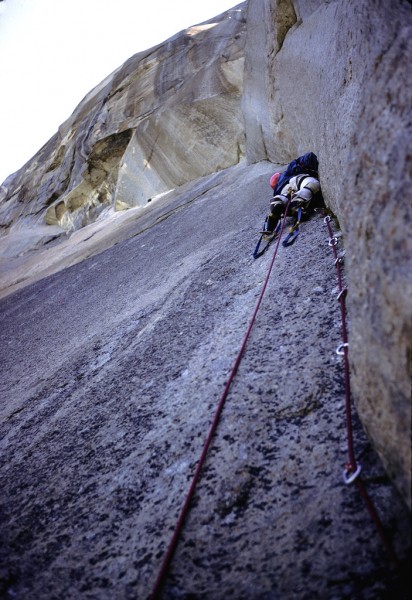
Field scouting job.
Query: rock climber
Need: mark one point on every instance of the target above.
(298, 183)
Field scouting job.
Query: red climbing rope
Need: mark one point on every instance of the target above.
(333, 241)
(185, 509)
(353, 469)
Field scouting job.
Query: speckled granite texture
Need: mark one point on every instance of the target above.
(111, 371)
(266, 80)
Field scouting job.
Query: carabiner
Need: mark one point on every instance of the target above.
(343, 293)
(339, 349)
(348, 479)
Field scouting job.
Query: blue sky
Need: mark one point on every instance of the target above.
(54, 52)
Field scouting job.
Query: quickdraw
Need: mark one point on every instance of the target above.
(351, 473)
(352, 469)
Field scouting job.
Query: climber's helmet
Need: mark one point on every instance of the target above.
(274, 180)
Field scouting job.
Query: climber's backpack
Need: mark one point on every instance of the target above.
(307, 163)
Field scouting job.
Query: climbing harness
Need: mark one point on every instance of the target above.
(351, 473)
(352, 470)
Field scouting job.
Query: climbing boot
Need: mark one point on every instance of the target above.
(269, 225)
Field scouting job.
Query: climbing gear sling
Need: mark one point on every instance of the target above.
(294, 230)
(352, 469)
(266, 238)
(351, 472)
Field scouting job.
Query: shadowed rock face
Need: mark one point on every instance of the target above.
(112, 370)
(115, 355)
(339, 86)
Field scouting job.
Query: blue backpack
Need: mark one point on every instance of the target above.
(308, 163)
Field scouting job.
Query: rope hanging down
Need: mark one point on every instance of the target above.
(352, 468)
(185, 509)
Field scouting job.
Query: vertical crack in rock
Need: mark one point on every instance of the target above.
(283, 16)
(114, 356)
(114, 416)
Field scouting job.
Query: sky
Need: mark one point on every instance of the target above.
(53, 52)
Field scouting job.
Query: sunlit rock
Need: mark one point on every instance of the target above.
(138, 244)
(168, 115)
